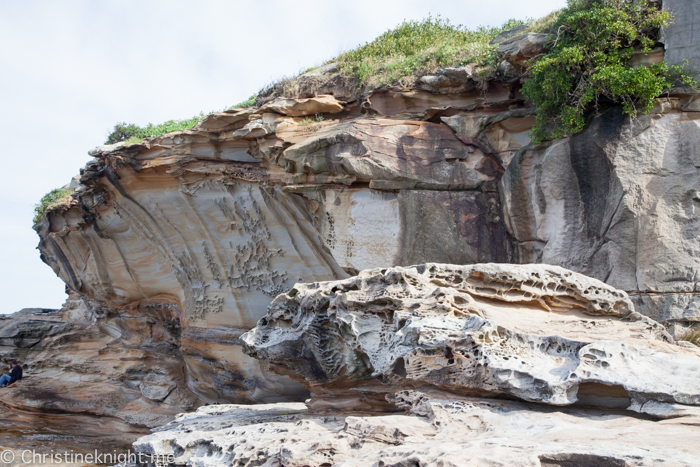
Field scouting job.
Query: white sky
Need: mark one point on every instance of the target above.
(70, 70)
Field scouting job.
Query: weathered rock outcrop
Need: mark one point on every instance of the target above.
(535, 332)
(439, 342)
(437, 430)
(126, 366)
(211, 223)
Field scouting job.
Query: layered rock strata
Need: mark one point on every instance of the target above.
(210, 224)
(123, 367)
(533, 332)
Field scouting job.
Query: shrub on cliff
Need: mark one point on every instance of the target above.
(593, 42)
(51, 199)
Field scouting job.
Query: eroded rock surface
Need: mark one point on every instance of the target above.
(617, 202)
(112, 367)
(437, 430)
(208, 225)
(535, 332)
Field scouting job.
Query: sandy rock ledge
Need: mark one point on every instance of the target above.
(435, 432)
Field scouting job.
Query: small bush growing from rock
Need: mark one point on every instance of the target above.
(51, 199)
(691, 336)
(592, 44)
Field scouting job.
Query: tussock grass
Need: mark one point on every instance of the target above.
(416, 48)
(131, 133)
(691, 336)
(246, 103)
(544, 24)
(308, 120)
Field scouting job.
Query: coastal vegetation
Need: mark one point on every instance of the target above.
(50, 200)
(588, 62)
(592, 43)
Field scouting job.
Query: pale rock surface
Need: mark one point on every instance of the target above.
(451, 80)
(208, 240)
(301, 107)
(618, 202)
(680, 38)
(437, 430)
(536, 332)
(508, 33)
(394, 154)
(502, 134)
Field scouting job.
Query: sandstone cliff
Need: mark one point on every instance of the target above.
(172, 248)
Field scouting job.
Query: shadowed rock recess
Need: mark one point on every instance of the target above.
(173, 248)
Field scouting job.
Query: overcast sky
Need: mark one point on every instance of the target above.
(71, 69)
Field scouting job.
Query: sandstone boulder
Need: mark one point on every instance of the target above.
(535, 332)
(323, 104)
(423, 155)
(451, 80)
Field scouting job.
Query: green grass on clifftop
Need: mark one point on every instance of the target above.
(132, 133)
(416, 48)
(246, 103)
(587, 62)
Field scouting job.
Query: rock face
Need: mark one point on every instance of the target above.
(518, 49)
(125, 367)
(436, 430)
(681, 37)
(616, 202)
(538, 333)
(208, 225)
